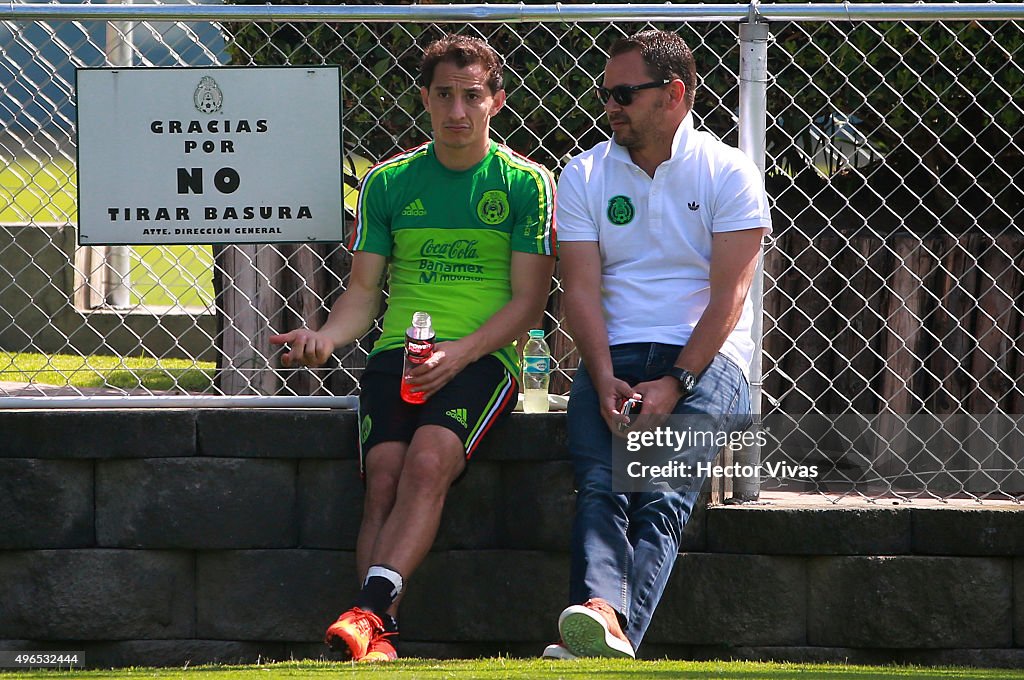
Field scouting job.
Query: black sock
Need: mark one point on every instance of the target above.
(376, 596)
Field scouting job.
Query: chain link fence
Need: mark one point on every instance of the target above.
(894, 161)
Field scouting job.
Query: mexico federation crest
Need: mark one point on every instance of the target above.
(620, 210)
(493, 207)
(208, 97)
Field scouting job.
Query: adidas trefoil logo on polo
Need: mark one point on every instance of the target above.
(415, 209)
(459, 414)
(692, 205)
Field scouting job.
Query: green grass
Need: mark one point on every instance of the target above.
(162, 276)
(168, 275)
(39, 192)
(106, 371)
(534, 669)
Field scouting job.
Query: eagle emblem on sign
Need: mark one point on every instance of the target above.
(208, 98)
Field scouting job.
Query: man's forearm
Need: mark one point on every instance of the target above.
(733, 263)
(585, 319)
(709, 335)
(584, 313)
(351, 315)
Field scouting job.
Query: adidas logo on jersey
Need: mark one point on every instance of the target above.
(415, 209)
(459, 414)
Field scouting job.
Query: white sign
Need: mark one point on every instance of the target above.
(209, 155)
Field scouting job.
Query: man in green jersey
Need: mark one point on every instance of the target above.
(464, 227)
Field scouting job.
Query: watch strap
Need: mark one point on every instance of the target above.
(686, 379)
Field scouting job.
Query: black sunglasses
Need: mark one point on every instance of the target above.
(623, 94)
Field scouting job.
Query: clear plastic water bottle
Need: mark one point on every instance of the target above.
(536, 373)
(419, 346)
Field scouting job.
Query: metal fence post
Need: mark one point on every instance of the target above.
(117, 284)
(752, 128)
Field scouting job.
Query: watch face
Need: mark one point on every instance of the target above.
(685, 378)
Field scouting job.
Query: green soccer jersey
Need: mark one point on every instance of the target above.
(449, 237)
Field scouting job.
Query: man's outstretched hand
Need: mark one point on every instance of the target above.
(306, 347)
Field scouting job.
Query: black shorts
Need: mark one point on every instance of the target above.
(481, 395)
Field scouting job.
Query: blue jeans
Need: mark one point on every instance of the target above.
(625, 544)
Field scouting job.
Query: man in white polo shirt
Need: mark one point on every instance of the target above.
(659, 235)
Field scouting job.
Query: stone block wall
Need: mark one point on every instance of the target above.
(172, 537)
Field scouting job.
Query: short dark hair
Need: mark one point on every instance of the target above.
(666, 56)
(463, 51)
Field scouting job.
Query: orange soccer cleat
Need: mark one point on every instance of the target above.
(381, 649)
(354, 632)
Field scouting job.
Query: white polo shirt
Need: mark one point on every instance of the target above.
(655, 233)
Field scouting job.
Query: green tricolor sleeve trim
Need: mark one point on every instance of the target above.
(545, 187)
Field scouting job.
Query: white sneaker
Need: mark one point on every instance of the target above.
(558, 651)
(587, 630)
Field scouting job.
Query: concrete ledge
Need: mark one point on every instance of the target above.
(527, 436)
(808, 531)
(944, 531)
(285, 434)
(97, 434)
(277, 433)
(909, 602)
(238, 433)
